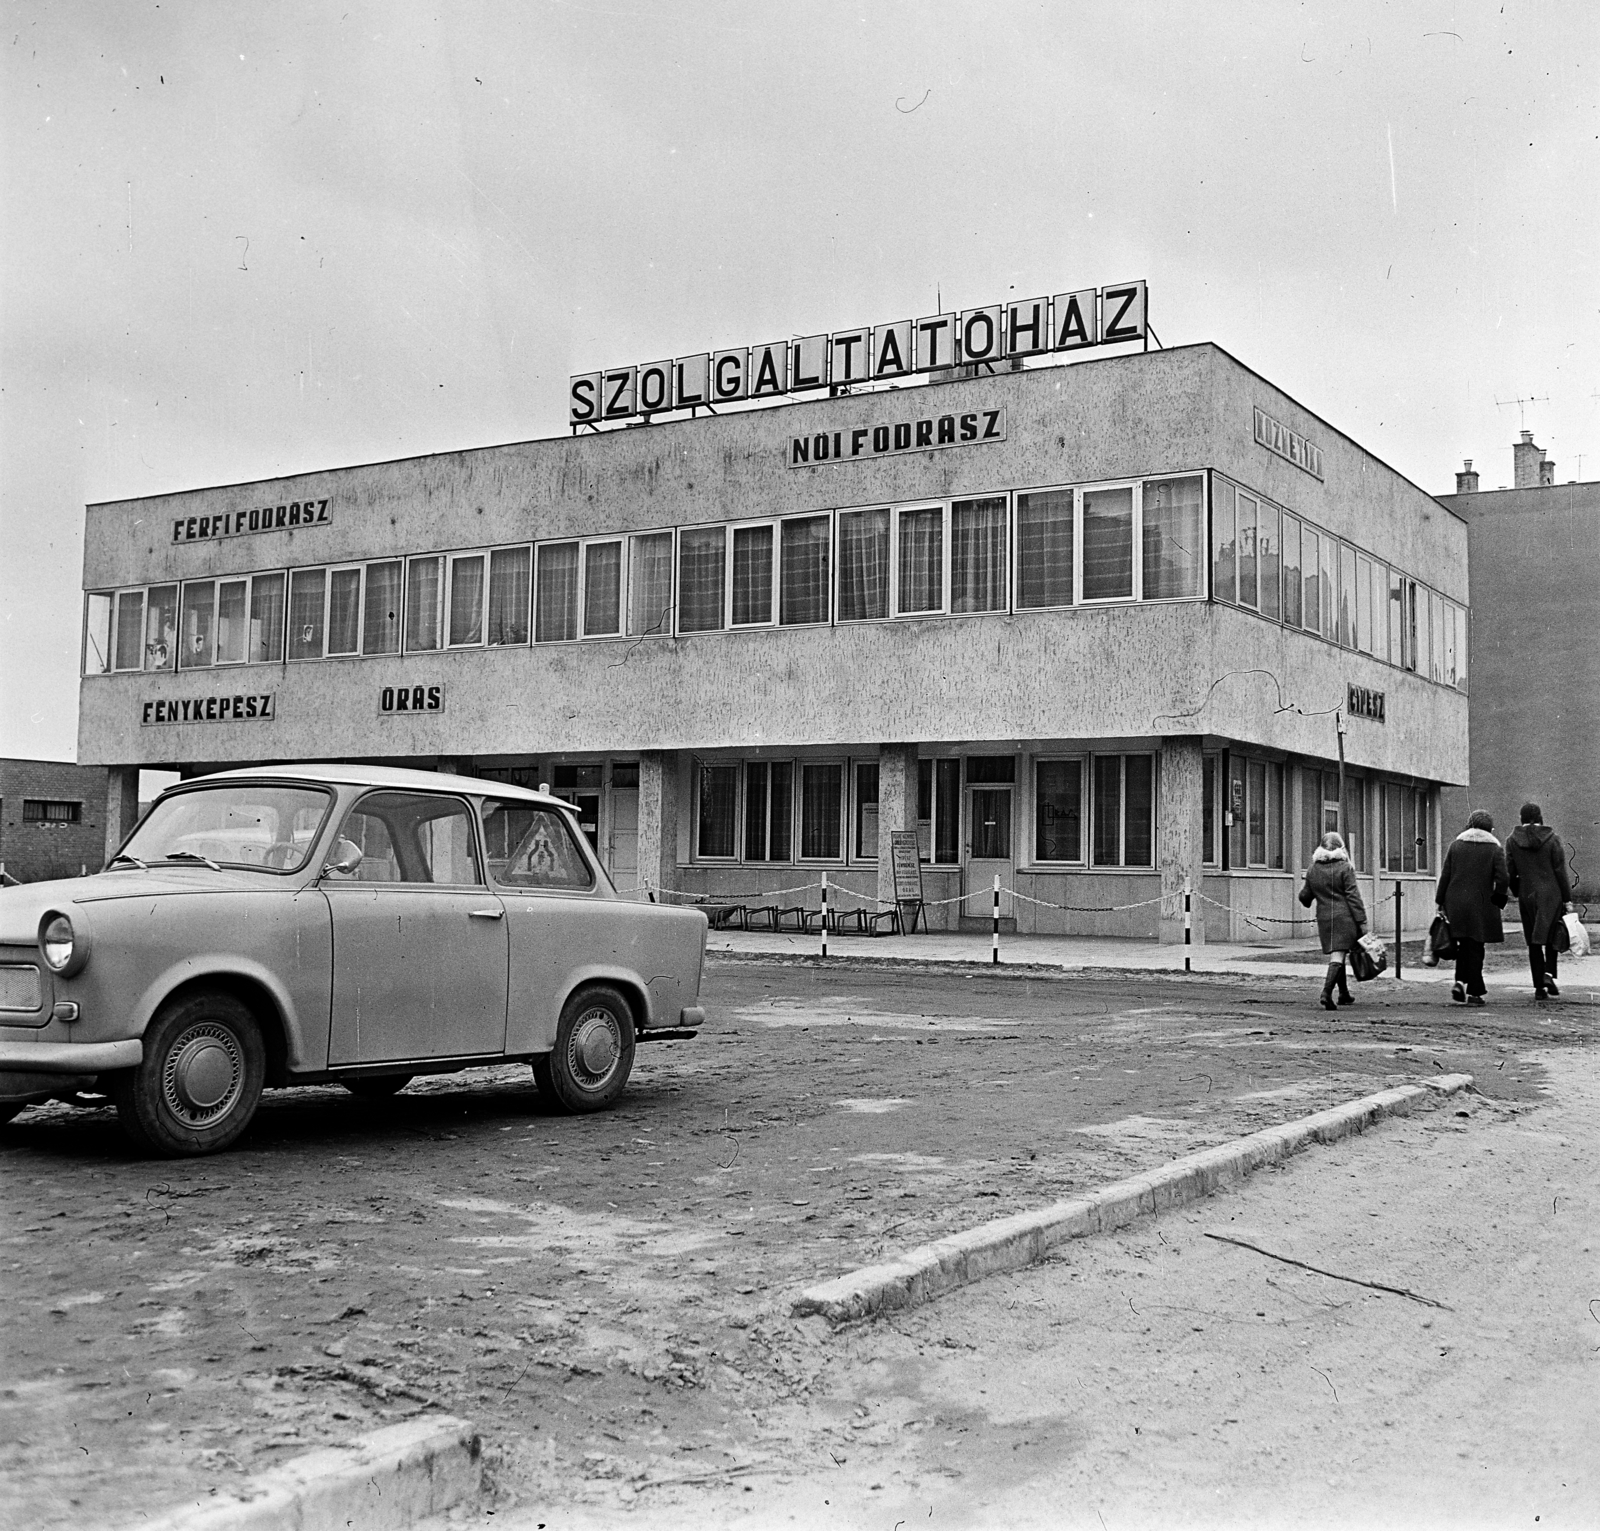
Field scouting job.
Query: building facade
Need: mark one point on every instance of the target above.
(1099, 630)
(1534, 551)
(52, 819)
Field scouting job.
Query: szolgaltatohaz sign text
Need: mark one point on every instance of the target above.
(890, 438)
(1069, 321)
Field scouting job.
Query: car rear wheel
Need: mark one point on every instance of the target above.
(200, 1081)
(593, 1055)
(377, 1086)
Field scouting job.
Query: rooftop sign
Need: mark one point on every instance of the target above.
(1069, 321)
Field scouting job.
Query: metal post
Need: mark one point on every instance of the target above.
(824, 914)
(1338, 722)
(1397, 927)
(1188, 919)
(995, 954)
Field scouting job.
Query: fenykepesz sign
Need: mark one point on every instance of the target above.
(1069, 321)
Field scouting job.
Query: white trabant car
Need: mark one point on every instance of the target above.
(308, 924)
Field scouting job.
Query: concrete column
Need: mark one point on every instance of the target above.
(897, 807)
(1179, 834)
(122, 805)
(658, 819)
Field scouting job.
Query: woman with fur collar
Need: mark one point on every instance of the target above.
(1341, 916)
(1471, 893)
(1536, 863)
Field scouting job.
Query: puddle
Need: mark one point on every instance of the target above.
(873, 1107)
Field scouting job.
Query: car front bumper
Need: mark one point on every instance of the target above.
(68, 1057)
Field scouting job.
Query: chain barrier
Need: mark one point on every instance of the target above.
(1260, 921)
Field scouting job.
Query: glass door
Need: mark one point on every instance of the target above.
(988, 851)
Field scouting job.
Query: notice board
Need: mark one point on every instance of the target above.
(907, 862)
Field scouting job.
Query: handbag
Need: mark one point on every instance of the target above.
(1577, 935)
(1441, 944)
(1368, 957)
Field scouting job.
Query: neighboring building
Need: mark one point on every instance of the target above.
(1085, 627)
(52, 819)
(1534, 552)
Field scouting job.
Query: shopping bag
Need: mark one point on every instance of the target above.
(1368, 957)
(1441, 944)
(1577, 935)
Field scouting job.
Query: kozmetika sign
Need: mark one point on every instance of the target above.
(1069, 321)
(1289, 445)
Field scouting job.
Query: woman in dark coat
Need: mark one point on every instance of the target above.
(1471, 894)
(1341, 916)
(1536, 865)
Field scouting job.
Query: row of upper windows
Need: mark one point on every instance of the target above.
(1021, 551)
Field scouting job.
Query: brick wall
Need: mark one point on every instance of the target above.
(35, 852)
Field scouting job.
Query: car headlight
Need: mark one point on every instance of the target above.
(65, 948)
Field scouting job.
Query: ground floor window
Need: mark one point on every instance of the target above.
(866, 821)
(939, 810)
(1404, 830)
(1255, 813)
(717, 806)
(1322, 813)
(1058, 810)
(39, 810)
(1208, 813)
(769, 810)
(1124, 810)
(821, 805)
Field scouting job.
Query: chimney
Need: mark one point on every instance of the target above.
(1466, 479)
(1547, 474)
(1527, 457)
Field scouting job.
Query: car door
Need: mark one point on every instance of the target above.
(419, 941)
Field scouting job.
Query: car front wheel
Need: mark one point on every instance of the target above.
(593, 1055)
(200, 1080)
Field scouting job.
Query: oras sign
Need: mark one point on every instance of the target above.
(1068, 321)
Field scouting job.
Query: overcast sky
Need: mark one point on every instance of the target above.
(244, 240)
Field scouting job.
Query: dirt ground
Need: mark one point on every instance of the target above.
(607, 1298)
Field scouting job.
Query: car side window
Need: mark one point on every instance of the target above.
(531, 847)
(413, 837)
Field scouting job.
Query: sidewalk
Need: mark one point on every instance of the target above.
(1580, 978)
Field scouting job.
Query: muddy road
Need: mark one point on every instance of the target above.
(607, 1298)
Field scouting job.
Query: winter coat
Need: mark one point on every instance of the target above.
(1472, 886)
(1536, 866)
(1331, 884)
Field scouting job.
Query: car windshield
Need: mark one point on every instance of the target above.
(266, 825)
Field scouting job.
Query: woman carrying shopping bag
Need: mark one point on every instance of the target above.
(1536, 865)
(1471, 894)
(1341, 916)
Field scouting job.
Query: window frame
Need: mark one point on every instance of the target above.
(1016, 547)
(836, 593)
(841, 810)
(1121, 864)
(829, 518)
(731, 532)
(450, 599)
(360, 569)
(897, 510)
(1202, 554)
(1136, 543)
(441, 602)
(1080, 760)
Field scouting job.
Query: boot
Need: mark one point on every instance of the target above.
(1327, 988)
(1345, 996)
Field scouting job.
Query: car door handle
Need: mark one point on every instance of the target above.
(486, 914)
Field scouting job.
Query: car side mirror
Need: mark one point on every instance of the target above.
(347, 858)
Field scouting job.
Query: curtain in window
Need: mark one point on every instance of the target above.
(130, 630)
(1107, 544)
(380, 622)
(231, 625)
(307, 588)
(1058, 810)
(752, 575)
(602, 589)
(650, 584)
(424, 597)
(466, 600)
(1256, 798)
(821, 789)
(1044, 549)
(1208, 811)
(1173, 539)
(780, 811)
(1107, 810)
(1275, 815)
(701, 555)
(344, 611)
(719, 791)
(803, 571)
(863, 565)
(161, 627)
(922, 559)
(867, 810)
(555, 607)
(266, 618)
(199, 602)
(509, 571)
(1224, 546)
(978, 555)
(1139, 811)
(755, 810)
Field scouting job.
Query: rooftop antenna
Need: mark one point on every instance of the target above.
(1522, 422)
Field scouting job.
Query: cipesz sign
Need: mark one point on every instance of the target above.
(1360, 702)
(1069, 321)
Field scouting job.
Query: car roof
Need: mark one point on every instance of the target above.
(341, 775)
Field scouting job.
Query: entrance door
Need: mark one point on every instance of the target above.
(988, 851)
(580, 786)
(622, 859)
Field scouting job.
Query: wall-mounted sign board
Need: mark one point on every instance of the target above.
(266, 518)
(257, 708)
(1363, 703)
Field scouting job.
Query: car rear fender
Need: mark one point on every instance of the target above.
(646, 1006)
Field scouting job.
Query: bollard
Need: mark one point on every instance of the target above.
(1397, 927)
(824, 914)
(1188, 916)
(995, 955)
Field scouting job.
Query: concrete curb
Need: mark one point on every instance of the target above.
(1009, 1243)
(389, 1479)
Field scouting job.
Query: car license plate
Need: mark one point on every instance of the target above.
(19, 988)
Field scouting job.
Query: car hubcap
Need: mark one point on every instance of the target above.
(204, 1075)
(596, 1046)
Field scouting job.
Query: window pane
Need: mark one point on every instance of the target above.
(1044, 548)
(232, 629)
(161, 627)
(1107, 810)
(700, 579)
(1235, 813)
(413, 837)
(755, 810)
(1107, 544)
(1291, 571)
(1363, 627)
(1058, 810)
(752, 575)
(466, 600)
(199, 603)
(719, 788)
(947, 810)
(867, 810)
(509, 594)
(1461, 647)
(1139, 812)
(602, 589)
(1248, 510)
(780, 817)
(978, 555)
(650, 584)
(1330, 586)
(380, 621)
(1423, 819)
(1208, 811)
(863, 565)
(921, 559)
(803, 577)
(130, 630)
(97, 633)
(424, 603)
(532, 847)
(1436, 666)
(266, 618)
(1173, 538)
(1347, 596)
(1256, 798)
(1267, 556)
(555, 610)
(1309, 556)
(990, 823)
(344, 611)
(307, 588)
(1225, 550)
(820, 792)
(1275, 816)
